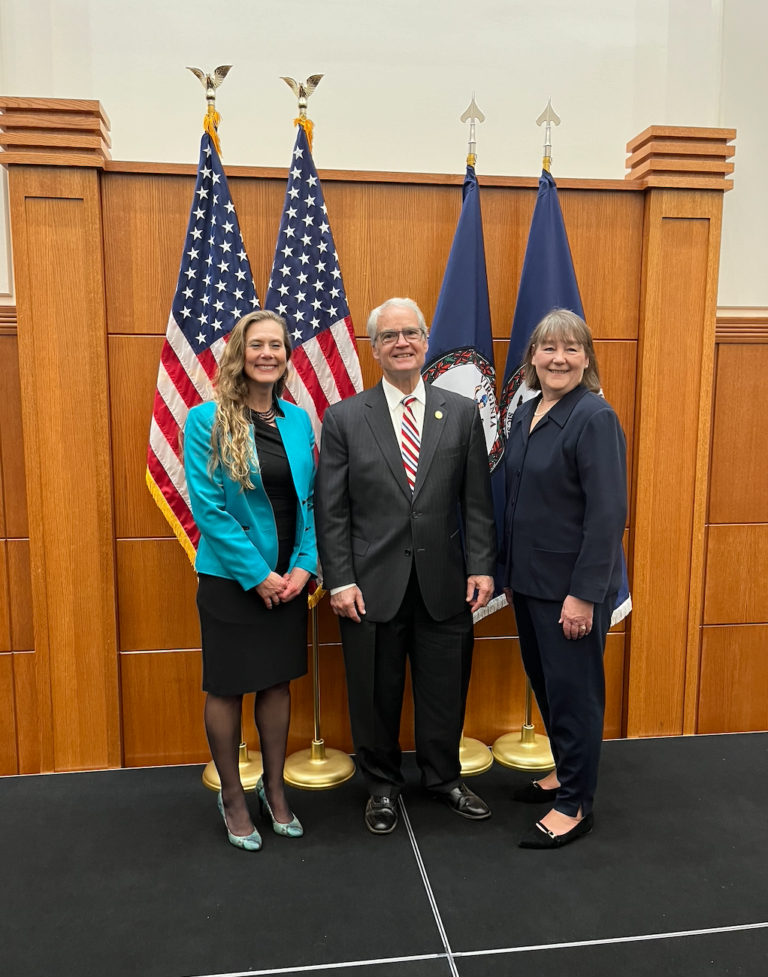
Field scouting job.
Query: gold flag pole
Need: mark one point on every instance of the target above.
(249, 764)
(529, 750)
(474, 755)
(318, 767)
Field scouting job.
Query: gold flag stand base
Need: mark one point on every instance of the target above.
(250, 770)
(525, 750)
(475, 756)
(318, 768)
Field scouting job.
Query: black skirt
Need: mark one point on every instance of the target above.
(246, 645)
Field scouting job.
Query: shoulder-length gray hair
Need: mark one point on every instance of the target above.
(566, 326)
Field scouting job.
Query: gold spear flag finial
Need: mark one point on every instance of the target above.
(302, 90)
(210, 83)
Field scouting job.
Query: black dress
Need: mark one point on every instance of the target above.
(247, 646)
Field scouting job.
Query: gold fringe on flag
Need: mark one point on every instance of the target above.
(211, 124)
(309, 127)
(171, 519)
(314, 599)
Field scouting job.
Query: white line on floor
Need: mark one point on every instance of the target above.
(428, 887)
(331, 966)
(486, 953)
(615, 939)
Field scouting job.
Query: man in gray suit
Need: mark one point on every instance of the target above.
(397, 462)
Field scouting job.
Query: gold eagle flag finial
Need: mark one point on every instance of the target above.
(302, 90)
(210, 83)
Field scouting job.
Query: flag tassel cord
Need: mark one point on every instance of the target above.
(211, 125)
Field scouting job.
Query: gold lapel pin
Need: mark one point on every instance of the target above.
(438, 414)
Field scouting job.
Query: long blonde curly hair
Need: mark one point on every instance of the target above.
(230, 441)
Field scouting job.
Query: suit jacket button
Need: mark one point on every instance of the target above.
(407, 552)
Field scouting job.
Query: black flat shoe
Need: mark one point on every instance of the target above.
(381, 815)
(533, 794)
(463, 802)
(541, 837)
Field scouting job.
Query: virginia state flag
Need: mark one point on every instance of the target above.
(460, 352)
(548, 281)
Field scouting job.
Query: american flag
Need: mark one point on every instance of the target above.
(306, 289)
(215, 288)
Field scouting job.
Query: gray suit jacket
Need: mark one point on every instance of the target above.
(371, 530)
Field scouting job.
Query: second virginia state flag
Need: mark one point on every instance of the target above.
(547, 282)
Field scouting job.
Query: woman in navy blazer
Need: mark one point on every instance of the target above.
(250, 465)
(566, 509)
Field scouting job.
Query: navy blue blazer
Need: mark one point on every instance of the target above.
(566, 499)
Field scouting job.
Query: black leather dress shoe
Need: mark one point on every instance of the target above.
(465, 803)
(381, 815)
(533, 794)
(540, 837)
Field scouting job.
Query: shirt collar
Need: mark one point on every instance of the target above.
(395, 396)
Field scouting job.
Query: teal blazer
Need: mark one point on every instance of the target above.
(238, 536)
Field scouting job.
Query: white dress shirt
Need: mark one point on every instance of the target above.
(395, 400)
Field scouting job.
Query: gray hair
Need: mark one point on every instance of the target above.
(373, 318)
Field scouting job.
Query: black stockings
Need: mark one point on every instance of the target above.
(272, 713)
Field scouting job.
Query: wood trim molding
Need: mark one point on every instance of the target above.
(7, 320)
(53, 132)
(742, 326)
(368, 176)
(682, 158)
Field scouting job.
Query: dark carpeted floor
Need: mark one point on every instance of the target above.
(128, 873)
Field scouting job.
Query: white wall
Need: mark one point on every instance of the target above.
(399, 73)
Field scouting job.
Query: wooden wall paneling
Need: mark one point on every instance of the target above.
(675, 352)
(614, 686)
(605, 232)
(392, 240)
(737, 570)
(733, 660)
(133, 365)
(496, 699)
(8, 755)
(20, 595)
(506, 220)
(13, 510)
(31, 731)
(163, 708)
(156, 589)
(739, 488)
(5, 602)
(56, 219)
(259, 208)
(145, 220)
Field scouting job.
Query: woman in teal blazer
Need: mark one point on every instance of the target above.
(250, 463)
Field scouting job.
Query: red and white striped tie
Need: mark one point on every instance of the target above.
(409, 441)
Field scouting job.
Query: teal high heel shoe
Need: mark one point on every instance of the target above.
(251, 842)
(291, 830)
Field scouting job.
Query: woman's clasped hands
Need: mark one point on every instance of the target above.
(275, 589)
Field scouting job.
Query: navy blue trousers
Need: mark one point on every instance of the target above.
(568, 681)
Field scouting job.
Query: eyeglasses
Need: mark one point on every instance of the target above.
(390, 336)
